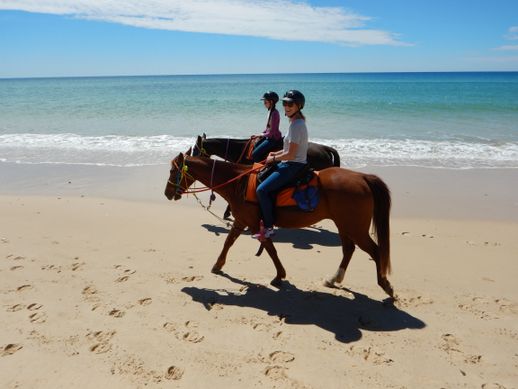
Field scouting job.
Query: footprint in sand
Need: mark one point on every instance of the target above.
(275, 372)
(90, 294)
(192, 278)
(101, 336)
(281, 357)
(13, 268)
(100, 348)
(34, 307)
(174, 373)
(23, 288)
(413, 301)
(10, 349)
(171, 327)
(370, 354)
(55, 268)
(101, 339)
(15, 308)
(493, 385)
(116, 313)
(508, 333)
(145, 301)
(449, 343)
(122, 279)
(506, 306)
(277, 335)
(125, 271)
(473, 359)
(192, 336)
(188, 334)
(15, 258)
(38, 317)
(77, 266)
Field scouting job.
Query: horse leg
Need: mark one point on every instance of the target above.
(370, 247)
(281, 273)
(234, 233)
(348, 250)
(227, 213)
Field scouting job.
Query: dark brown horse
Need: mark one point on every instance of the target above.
(235, 150)
(349, 198)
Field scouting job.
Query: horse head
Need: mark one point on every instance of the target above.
(179, 178)
(198, 147)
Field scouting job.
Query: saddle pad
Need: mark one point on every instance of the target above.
(284, 197)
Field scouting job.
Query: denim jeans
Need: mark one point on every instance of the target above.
(284, 174)
(263, 147)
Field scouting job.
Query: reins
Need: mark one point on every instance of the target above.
(184, 173)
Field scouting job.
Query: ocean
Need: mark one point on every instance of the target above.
(441, 120)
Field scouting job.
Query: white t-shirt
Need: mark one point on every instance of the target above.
(298, 133)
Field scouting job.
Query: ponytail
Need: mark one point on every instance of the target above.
(270, 111)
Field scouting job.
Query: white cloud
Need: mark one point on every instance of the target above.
(281, 19)
(507, 47)
(512, 34)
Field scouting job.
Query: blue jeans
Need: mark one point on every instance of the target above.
(284, 174)
(262, 148)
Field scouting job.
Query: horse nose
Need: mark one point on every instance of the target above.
(168, 194)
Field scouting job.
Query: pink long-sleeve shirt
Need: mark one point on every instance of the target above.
(272, 127)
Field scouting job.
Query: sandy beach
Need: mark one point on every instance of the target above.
(107, 284)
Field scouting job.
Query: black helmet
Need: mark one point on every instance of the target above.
(270, 95)
(296, 97)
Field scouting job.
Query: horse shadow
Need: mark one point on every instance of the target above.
(342, 316)
(300, 238)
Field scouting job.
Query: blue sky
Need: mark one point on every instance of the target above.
(41, 38)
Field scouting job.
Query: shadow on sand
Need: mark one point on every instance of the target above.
(344, 317)
(299, 238)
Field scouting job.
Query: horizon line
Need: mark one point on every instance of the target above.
(251, 74)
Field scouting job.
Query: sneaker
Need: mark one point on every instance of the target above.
(264, 234)
(269, 232)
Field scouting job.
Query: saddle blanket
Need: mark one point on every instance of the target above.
(284, 197)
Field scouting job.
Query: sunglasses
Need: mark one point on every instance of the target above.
(288, 103)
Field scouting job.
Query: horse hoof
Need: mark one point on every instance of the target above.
(277, 282)
(329, 284)
(216, 270)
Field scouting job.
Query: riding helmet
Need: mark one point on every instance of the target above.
(296, 97)
(270, 95)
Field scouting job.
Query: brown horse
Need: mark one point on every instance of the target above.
(351, 199)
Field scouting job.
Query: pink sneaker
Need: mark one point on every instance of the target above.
(264, 233)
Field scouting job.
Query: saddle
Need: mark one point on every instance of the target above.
(303, 193)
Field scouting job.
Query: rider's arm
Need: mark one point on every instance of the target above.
(285, 156)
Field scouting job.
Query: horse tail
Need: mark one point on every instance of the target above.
(336, 156)
(382, 203)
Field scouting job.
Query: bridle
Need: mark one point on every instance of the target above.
(183, 173)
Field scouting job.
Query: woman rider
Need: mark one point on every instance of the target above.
(271, 135)
(291, 160)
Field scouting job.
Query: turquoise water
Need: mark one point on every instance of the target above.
(452, 120)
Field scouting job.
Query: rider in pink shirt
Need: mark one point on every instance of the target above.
(272, 137)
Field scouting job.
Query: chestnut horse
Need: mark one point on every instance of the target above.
(351, 199)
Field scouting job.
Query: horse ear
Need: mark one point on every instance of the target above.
(189, 152)
(204, 136)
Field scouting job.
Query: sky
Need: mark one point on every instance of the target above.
(54, 38)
